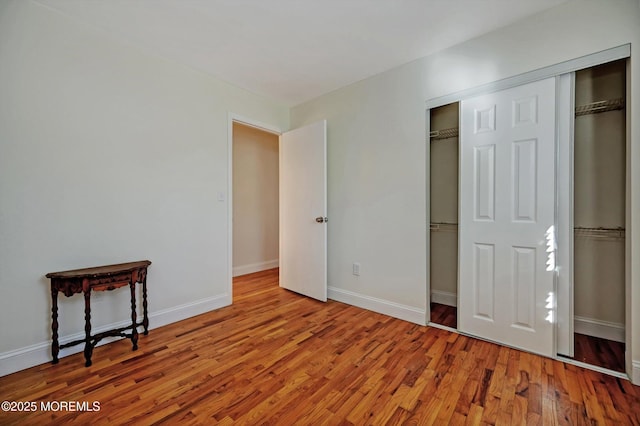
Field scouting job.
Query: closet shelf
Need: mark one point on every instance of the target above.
(600, 106)
(599, 233)
(443, 226)
(436, 135)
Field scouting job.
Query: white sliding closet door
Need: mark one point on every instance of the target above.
(507, 216)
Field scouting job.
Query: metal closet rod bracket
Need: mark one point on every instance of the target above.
(436, 135)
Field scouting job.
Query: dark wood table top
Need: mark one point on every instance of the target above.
(100, 270)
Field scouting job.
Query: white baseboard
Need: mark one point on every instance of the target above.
(635, 373)
(255, 267)
(597, 328)
(444, 298)
(396, 310)
(592, 367)
(40, 353)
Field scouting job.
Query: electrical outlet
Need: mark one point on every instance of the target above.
(356, 269)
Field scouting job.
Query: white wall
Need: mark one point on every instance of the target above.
(376, 190)
(377, 174)
(107, 155)
(255, 200)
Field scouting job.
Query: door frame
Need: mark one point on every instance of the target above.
(269, 128)
(564, 262)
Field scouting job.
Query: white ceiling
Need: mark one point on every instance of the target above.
(295, 50)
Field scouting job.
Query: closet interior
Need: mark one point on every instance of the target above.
(599, 175)
(444, 214)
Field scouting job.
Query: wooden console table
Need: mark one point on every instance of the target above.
(100, 278)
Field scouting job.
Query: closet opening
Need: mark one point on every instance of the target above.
(598, 180)
(588, 306)
(599, 206)
(443, 227)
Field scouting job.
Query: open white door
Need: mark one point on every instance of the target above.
(507, 217)
(303, 210)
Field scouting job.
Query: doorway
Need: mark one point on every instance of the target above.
(264, 255)
(255, 200)
(302, 207)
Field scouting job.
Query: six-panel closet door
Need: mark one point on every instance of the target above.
(507, 216)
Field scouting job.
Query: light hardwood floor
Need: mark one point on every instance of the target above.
(275, 357)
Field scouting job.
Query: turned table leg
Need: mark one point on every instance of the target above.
(55, 346)
(88, 347)
(145, 315)
(134, 331)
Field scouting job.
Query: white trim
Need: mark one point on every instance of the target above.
(231, 118)
(395, 310)
(40, 353)
(593, 367)
(188, 310)
(565, 118)
(442, 327)
(636, 364)
(631, 243)
(597, 328)
(444, 298)
(255, 267)
(635, 375)
(427, 165)
(571, 65)
(269, 128)
(557, 357)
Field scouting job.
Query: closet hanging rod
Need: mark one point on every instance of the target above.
(436, 135)
(600, 106)
(607, 233)
(600, 228)
(443, 226)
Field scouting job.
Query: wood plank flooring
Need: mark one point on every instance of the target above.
(588, 349)
(277, 358)
(444, 315)
(601, 352)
